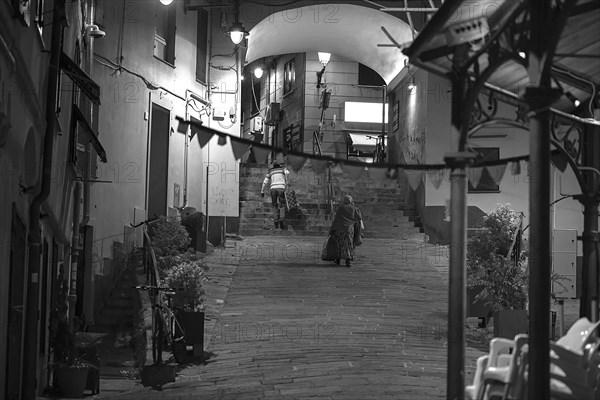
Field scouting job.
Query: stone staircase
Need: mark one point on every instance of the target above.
(382, 205)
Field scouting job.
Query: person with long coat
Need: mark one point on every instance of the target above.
(345, 231)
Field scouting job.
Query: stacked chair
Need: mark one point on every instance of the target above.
(574, 367)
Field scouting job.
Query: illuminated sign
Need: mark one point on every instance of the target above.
(355, 111)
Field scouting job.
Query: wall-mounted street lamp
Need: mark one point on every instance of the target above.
(324, 60)
(237, 32)
(258, 72)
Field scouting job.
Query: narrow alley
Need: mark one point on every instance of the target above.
(292, 326)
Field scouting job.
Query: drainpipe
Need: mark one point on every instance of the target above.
(87, 173)
(30, 345)
(74, 252)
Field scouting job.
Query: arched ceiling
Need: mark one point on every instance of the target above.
(349, 31)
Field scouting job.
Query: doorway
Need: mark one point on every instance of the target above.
(158, 161)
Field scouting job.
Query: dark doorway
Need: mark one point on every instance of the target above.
(158, 161)
(15, 306)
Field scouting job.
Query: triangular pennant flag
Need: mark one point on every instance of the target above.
(279, 158)
(354, 172)
(260, 154)
(414, 178)
(515, 168)
(496, 172)
(318, 166)
(436, 176)
(475, 175)
(183, 126)
(204, 137)
(238, 148)
(559, 161)
(378, 175)
(222, 140)
(337, 170)
(196, 123)
(296, 162)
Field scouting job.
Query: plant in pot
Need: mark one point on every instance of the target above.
(69, 370)
(193, 221)
(187, 279)
(497, 269)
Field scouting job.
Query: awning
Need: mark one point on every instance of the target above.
(87, 129)
(364, 142)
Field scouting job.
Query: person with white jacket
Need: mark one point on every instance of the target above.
(278, 178)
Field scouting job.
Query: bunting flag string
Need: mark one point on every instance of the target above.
(239, 149)
(496, 172)
(436, 178)
(496, 168)
(296, 162)
(475, 175)
(515, 168)
(414, 179)
(260, 154)
(204, 137)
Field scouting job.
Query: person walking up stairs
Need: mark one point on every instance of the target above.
(278, 177)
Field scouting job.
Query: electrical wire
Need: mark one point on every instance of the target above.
(116, 67)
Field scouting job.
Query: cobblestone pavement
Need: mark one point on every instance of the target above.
(282, 324)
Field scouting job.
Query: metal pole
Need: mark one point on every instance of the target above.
(539, 254)
(457, 305)
(590, 201)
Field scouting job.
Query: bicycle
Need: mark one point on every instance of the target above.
(164, 322)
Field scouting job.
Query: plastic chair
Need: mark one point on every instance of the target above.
(497, 379)
(472, 391)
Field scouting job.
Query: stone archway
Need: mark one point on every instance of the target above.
(349, 31)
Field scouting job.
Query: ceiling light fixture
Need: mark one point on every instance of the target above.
(573, 99)
(258, 72)
(166, 2)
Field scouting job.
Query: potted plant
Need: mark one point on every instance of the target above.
(69, 370)
(186, 278)
(497, 269)
(193, 221)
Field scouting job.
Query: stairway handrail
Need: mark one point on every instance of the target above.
(317, 142)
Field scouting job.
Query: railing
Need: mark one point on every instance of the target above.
(160, 327)
(317, 144)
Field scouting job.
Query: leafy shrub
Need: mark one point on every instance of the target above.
(187, 278)
(503, 282)
(169, 237)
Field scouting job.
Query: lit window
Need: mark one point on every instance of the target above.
(289, 77)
